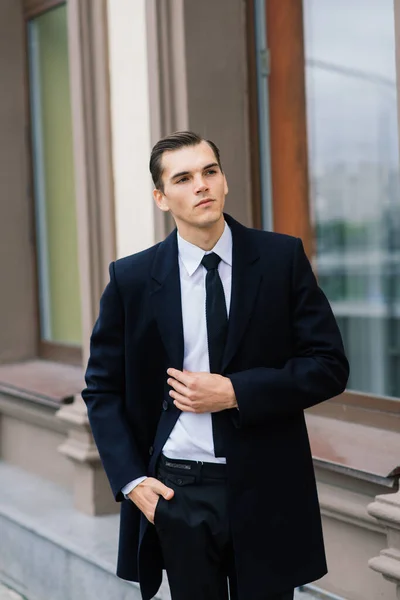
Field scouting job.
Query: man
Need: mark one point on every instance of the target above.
(207, 350)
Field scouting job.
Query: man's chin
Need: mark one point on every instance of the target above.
(210, 221)
(210, 218)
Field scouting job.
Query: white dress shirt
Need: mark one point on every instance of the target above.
(192, 438)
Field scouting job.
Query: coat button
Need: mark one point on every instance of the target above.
(179, 481)
(151, 450)
(165, 405)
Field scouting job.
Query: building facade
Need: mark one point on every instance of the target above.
(302, 98)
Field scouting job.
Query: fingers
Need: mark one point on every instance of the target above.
(168, 493)
(179, 387)
(147, 494)
(182, 399)
(182, 376)
(183, 406)
(159, 488)
(182, 394)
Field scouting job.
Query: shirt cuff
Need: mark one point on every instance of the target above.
(131, 486)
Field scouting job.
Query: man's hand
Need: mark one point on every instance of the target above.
(201, 392)
(146, 495)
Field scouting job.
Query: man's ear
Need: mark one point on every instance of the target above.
(226, 189)
(160, 200)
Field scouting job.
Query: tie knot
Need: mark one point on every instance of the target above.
(211, 261)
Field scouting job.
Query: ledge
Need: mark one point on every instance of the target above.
(355, 449)
(42, 381)
(347, 506)
(362, 408)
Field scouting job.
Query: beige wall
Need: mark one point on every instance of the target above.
(349, 548)
(17, 299)
(130, 122)
(29, 437)
(34, 449)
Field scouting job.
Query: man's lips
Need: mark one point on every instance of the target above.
(205, 201)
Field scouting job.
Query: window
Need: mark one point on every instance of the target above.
(53, 180)
(354, 179)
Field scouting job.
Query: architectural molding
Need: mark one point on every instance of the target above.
(386, 510)
(388, 565)
(346, 506)
(34, 8)
(31, 413)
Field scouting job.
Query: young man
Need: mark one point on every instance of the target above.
(207, 350)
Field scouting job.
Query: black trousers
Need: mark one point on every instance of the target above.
(194, 532)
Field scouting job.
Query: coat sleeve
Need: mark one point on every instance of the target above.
(104, 394)
(318, 369)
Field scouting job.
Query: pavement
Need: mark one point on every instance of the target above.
(298, 595)
(7, 594)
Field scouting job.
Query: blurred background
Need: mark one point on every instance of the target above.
(301, 96)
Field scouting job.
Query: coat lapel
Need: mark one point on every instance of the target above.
(246, 278)
(167, 306)
(166, 299)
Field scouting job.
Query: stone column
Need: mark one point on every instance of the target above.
(92, 494)
(88, 54)
(386, 509)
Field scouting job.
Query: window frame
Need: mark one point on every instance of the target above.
(254, 122)
(46, 350)
(289, 151)
(35, 8)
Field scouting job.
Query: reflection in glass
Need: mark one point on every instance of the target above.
(53, 176)
(354, 180)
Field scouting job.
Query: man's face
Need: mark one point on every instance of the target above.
(194, 187)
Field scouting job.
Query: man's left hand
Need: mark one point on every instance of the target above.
(201, 392)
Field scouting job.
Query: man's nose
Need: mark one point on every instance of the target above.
(200, 185)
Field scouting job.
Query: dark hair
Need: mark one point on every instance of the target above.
(176, 140)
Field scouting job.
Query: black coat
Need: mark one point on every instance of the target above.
(283, 354)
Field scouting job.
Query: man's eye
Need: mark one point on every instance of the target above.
(183, 179)
(211, 172)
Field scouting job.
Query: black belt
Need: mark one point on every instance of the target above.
(200, 469)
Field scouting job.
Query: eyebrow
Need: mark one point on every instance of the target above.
(181, 173)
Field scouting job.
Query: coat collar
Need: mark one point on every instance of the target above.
(191, 256)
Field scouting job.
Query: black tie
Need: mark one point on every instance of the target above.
(217, 327)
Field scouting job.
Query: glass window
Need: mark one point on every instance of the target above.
(53, 174)
(354, 177)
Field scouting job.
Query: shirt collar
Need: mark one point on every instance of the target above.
(192, 255)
